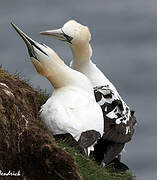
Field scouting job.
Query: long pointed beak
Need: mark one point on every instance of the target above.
(30, 43)
(58, 34)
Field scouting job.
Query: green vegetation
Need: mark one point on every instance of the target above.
(43, 96)
(88, 168)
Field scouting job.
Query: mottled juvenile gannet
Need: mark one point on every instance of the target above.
(72, 107)
(118, 118)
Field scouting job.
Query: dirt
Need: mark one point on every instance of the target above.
(26, 146)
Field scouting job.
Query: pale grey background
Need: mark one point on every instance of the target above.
(124, 41)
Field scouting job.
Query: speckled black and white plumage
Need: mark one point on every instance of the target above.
(118, 124)
(116, 113)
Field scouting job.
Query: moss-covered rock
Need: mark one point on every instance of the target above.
(25, 143)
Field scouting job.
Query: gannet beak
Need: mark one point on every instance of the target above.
(30, 43)
(58, 34)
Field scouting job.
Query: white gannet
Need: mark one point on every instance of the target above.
(118, 118)
(72, 107)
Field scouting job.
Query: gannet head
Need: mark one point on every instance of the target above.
(72, 32)
(39, 53)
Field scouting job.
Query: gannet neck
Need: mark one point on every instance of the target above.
(60, 75)
(81, 53)
(55, 72)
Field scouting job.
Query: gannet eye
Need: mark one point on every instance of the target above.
(68, 38)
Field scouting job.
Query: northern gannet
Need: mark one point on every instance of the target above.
(118, 118)
(72, 107)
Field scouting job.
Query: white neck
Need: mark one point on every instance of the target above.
(55, 71)
(81, 54)
(82, 63)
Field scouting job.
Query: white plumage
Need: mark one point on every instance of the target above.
(72, 110)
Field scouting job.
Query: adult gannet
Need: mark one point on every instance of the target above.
(118, 118)
(72, 107)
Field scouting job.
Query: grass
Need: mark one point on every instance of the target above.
(88, 168)
(43, 95)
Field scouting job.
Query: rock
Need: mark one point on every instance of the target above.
(26, 146)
